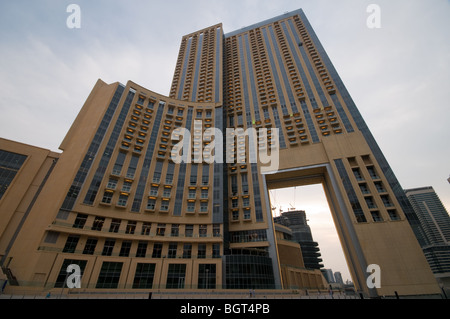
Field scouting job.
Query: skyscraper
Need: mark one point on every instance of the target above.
(301, 233)
(122, 208)
(436, 225)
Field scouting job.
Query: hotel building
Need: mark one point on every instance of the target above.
(116, 204)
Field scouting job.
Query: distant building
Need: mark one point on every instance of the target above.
(328, 274)
(338, 277)
(435, 222)
(301, 233)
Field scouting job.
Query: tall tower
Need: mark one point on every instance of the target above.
(435, 222)
(119, 205)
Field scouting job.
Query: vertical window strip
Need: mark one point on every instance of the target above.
(147, 160)
(106, 157)
(182, 173)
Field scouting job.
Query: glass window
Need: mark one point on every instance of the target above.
(187, 250)
(115, 225)
(80, 220)
(131, 227)
(109, 275)
(143, 278)
(189, 230)
(201, 251)
(141, 249)
(146, 228)
(175, 231)
(207, 276)
(157, 249)
(202, 231)
(125, 249)
(108, 247)
(176, 276)
(161, 229)
(89, 248)
(172, 252)
(71, 244)
(98, 223)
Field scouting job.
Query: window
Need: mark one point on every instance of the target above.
(380, 187)
(167, 192)
(164, 205)
(172, 252)
(202, 231)
(386, 201)
(80, 221)
(71, 244)
(357, 174)
(161, 229)
(62, 276)
(115, 225)
(372, 172)
(207, 276)
(151, 204)
(187, 250)
(107, 197)
(131, 227)
(203, 207)
(126, 187)
(108, 247)
(157, 249)
(201, 253)
(191, 206)
(112, 183)
(216, 230)
(143, 278)
(89, 248)
(189, 230)
(154, 191)
(216, 251)
(146, 228)
(109, 275)
(370, 202)
(192, 193)
(176, 276)
(364, 188)
(125, 249)
(98, 223)
(141, 249)
(204, 193)
(393, 215)
(175, 231)
(122, 200)
(10, 164)
(376, 216)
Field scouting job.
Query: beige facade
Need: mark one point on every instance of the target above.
(117, 205)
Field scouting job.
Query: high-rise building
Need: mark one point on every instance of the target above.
(301, 233)
(338, 277)
(435, 222)
(137, 209)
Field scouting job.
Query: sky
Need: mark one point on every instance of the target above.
(398, 74)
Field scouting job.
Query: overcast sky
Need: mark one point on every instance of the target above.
(398, 75)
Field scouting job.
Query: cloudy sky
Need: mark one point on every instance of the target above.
(398, 75)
